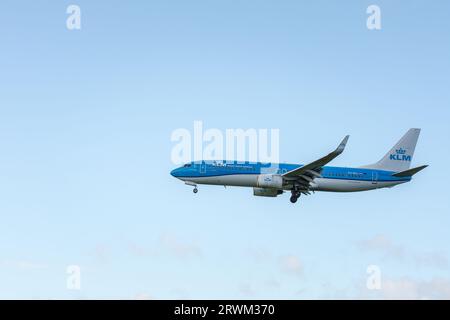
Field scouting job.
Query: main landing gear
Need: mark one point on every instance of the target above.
(294, 196)
(195, 190)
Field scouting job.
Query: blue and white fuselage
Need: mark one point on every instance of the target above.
(271, 180)
(247, 174)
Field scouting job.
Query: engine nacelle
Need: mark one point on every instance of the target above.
(266, 192)
(269, 181)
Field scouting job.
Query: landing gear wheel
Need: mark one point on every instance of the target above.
(195, 190)
(295, 194)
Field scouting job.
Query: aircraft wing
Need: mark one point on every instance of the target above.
(312, 170)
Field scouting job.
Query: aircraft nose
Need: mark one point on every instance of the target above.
(174, 172)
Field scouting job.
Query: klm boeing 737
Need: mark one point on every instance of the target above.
(271, 180)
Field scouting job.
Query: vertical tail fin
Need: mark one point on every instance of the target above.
(400, 156)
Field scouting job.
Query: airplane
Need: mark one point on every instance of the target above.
(271, 180)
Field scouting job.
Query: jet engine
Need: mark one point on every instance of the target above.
(266, 192)
(270, 181)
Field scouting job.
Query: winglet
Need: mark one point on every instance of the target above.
(318, 163)
(341, 146)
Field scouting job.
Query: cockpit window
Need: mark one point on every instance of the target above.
(187, 165)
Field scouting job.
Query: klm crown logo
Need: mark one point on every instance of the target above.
(400, 155)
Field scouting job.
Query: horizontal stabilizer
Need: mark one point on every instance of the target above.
(409, 172)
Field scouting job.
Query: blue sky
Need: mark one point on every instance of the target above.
(85, 123)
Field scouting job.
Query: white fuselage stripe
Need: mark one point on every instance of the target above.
(320, 184)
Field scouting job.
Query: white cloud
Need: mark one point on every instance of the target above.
(399, 289)
(178, 248)
(291, 264)
(167, 244)
(101, 253)
(383, 244)
(431, 259)
(246, 289)
(406, 288)
(142, 296)
(259, 255)
(141, 251)
(272, 283)
(23, 264)
(390, 250)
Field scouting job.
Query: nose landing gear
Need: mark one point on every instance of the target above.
(193, 184)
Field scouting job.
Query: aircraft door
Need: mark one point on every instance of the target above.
(374, 177)
(203, 167)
